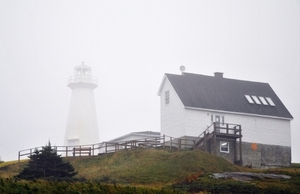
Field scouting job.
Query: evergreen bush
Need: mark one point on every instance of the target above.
(46, 163)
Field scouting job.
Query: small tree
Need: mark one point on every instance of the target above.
(46, 163)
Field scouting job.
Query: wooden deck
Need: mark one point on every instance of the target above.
(163, 142)
(212, 132)
(217, 131)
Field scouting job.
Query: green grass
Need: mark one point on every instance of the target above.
(150, 171)
(11, 168)
(149, 166)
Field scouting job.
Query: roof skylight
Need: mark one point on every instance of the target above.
(256, 99)
(263, 100)
(249, 99)
(270, 101)
(259, 100)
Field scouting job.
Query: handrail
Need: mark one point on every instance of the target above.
(217, 130)
(164, 142)
(109, 147)
(83, 79)
(203, 133)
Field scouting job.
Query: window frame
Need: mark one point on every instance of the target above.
(221, 146)
(249, 99)
(270, 101)
(167, 97)
(263, 100)
(256, 100)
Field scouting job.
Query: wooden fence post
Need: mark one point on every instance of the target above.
(227, 128)
(204, 140)
(93, 150)
(241, 160)
(215, 140)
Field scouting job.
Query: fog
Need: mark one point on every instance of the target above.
(130, 45)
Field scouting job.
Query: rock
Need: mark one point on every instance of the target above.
(247, 176)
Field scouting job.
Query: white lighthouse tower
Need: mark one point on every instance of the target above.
(82, 126)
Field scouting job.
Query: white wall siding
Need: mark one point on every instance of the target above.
(255, 129)
(196, 122)
(172, 114)
(263, 130)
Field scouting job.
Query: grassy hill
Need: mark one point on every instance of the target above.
(153, 171)
(146, 167)
(149, 166)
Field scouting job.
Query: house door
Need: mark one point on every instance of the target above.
(218, 122)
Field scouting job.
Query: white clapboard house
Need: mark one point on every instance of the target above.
(242, 121)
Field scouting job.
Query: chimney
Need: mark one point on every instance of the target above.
(218, 75)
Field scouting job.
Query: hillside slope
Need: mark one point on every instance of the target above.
(153, 171)
(149, 166)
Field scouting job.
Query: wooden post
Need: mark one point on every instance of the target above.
(215, 139)
(204, 140)
(179, 144)
(145, 143)
(164, 141)
(241, 160)
(235, 152)
(19, 157)
(105, 147)
(66, 151)
(227, 128)
(80, 151)
(170, 143)
(194, 141)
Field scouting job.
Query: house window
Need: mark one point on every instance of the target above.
(249, 99)
(224, 146)
(167, 97)
(263, 100)
(256, 99)
(270, 101)
(217, 119)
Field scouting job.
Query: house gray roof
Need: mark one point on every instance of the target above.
(137, 135)
(218, 93)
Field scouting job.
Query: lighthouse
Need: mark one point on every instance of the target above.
(82, 126)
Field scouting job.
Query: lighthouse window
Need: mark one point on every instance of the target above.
(73, 142)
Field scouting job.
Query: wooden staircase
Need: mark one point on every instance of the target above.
(207, 140)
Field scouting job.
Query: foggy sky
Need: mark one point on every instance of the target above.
(130, 45)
